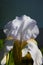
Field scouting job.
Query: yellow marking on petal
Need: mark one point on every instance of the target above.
(9, 38)
(32, 40)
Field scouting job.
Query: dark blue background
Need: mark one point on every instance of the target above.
(11, 8)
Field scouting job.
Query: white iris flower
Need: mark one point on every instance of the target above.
(25, 28)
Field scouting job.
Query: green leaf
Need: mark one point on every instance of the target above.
(1, 43)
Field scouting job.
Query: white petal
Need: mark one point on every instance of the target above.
(3, 62)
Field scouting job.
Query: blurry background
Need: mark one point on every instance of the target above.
(11, 8)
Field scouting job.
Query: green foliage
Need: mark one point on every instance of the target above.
(1, 43)
(10, 62)
(41, 50)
